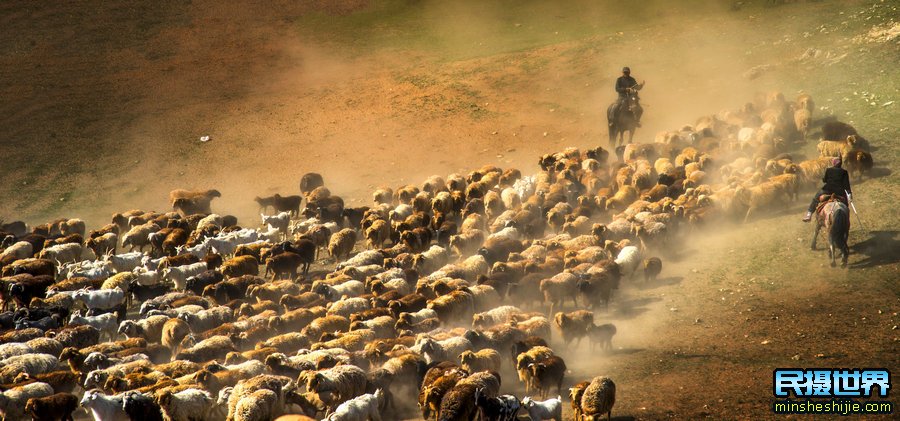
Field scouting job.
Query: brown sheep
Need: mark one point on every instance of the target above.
(858, 161)
(574, 325)
(598, 399)
(377, 234)
(173, 332)
(59, 406)
(547, 373)
(341, 244)
(189, 202)
(239, 266)
(484, 360)
(575, 394)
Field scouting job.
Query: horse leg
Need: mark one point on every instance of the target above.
(815, 236)
(631, 136)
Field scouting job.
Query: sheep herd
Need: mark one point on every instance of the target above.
(463, 294)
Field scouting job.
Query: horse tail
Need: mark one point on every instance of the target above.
(840, 226)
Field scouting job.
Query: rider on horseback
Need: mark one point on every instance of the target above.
(837, 182)
(626, 85)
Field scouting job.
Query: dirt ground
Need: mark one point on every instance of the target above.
(104, 104)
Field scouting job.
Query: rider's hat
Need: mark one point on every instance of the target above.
(626, 69)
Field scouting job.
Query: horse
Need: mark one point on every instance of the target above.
(622, 118)
(835, 217)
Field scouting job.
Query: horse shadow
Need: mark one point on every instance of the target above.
(881, 248)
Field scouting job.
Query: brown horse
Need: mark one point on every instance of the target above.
(622, 117)
(835, 217)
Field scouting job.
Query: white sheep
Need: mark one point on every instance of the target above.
(629, 259)
(348, 306)
(105, 407)
(101, 299)
(33, 364)
(278, 222)
(178, 275)
(105, 323)
(146, 277)
(335, 292)
(189, 404)
(446, 350)
(360, 408)
(11, 349)
(204, 320)
(93, 270)
(363, 258)
(125, 262)
(494, 316)
(543, 410)
(12, 401)
(418, 316)
(19, 250)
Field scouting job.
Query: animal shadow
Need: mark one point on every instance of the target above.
(659, 282)
(881, 248)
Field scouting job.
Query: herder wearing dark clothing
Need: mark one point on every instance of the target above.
(837, 182)
(625, 85)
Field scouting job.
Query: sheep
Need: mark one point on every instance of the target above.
(125, 262)
(104, 407)
(574, 325)
(30, 266)
(546, 373)
(188, 202)
(377, 234)
(652, 268)
(601, 334)
(178, 275)
(13, 401)
(543, 410)
(139, 406)
(501, 408)
(59, 406)
(286, 264)
(575, 394)
(524, 359)
(238, 266)
(103, 299)
(346, 307)
(208, 349)
(338, 384)
(261, 405)
(19, 250)
(858, 161)
(190, 404)
(173, 332)
(494, 316)
(341, 243)
(458, 403)
(62, 253)
(33, 364)
(105, 323)
(361, 408)
(467, 242)
(628, 260)
(279, 222)
(557, 288)
(598, 398)
(139, 236)
(452, 307)
(484, 360)
(207, 319)
(836, 148)
(444, 350)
